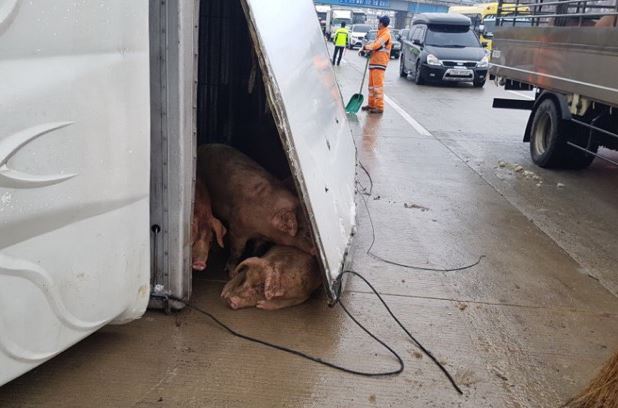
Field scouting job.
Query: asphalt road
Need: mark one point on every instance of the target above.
(577, 209)
(526, 327)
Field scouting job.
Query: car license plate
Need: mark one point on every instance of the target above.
(460, 72)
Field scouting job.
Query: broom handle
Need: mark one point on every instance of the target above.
(364, 74)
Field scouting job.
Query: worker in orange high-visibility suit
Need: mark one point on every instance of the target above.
(380, 55)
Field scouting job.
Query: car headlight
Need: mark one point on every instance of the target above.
(484, 62)
(433, 60)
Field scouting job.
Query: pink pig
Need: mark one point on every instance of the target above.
(283, 277)
(203, 226)
(253, 203)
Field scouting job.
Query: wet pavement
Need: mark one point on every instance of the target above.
(527, 327)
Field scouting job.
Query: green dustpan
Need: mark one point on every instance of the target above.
(356, 101)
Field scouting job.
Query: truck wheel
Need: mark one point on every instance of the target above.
(402, 72)
(418, 75)
(549, 134)
(546, 147)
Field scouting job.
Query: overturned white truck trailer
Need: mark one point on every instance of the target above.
(101, 110)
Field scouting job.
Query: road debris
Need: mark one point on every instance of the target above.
(415, 206)
(462, 306)
(519, 169)
(560, 185)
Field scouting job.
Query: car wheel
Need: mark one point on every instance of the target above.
(479, 83)
(402, 71)
(418, 75)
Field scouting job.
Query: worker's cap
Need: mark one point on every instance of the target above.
(384, 20)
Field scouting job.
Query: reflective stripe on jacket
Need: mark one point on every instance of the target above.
(381, 48)
(341, 37)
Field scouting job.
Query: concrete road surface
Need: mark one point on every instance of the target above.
(527, 327)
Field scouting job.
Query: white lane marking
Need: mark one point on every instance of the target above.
(522, 95)
(417, 126)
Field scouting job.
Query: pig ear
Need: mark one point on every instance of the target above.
(285, 220)
(219, 230)
(248, 264)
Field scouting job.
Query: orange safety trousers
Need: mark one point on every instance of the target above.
(376, 88)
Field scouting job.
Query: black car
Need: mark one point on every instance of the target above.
(443, 47)
(371, 36)
(396, 48)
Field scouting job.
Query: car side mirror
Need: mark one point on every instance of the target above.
(480, 29)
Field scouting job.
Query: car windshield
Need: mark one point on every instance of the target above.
(371, 35)
(452, 37)
(361, 28)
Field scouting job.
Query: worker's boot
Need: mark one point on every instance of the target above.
(366, 108)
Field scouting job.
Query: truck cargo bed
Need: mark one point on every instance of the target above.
(579, 61)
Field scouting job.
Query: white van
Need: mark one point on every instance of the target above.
(102, 106)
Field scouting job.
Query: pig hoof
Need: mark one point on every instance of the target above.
(199, 265)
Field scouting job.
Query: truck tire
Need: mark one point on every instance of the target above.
(549, 134)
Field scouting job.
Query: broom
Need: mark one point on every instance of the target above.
(602, 391)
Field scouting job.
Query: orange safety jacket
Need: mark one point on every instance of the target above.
(381, 48)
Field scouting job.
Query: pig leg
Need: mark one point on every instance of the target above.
(237, 246)
(275, 304)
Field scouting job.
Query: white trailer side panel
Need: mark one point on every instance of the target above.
(74, 173)
(311, 118)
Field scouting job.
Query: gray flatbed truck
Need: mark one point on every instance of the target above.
(567, 54)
